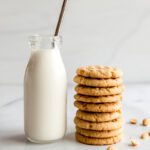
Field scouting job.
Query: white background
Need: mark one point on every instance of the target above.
(106, 32)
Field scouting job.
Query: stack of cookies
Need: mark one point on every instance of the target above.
(99, 118)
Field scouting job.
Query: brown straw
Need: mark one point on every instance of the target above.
(60, 17)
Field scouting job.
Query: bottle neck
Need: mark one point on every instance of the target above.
(45, 42)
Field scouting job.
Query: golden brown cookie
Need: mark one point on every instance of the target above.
(98, 99)
(99, 72)
(99, 134)
(96, 91)
(108, 125)
(102, 107)
(99, 141)
(98, 117)
(97, 82)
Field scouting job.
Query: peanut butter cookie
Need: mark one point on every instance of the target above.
(108, 125)
(99, 134)
(96, 91)
(99, 141)
(99, 72)
(98, 117)
(104, 107)
(97, 82)
(98, 99)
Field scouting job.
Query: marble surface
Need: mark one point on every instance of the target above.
(136, 103)
(94, 31)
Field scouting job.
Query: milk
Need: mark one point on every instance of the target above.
(45, 96)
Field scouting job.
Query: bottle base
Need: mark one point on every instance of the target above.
(42, 142)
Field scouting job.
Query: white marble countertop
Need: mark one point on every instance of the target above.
(136, 104)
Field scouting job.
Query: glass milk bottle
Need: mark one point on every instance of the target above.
(45, 91)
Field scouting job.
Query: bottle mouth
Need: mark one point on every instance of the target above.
(44, 41)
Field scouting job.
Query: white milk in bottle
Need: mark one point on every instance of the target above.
(45, 91)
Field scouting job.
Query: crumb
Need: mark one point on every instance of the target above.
(111, 147)
(144, 136)
(149, 133)
(145, 122)
(133, 121)
(134, 142)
